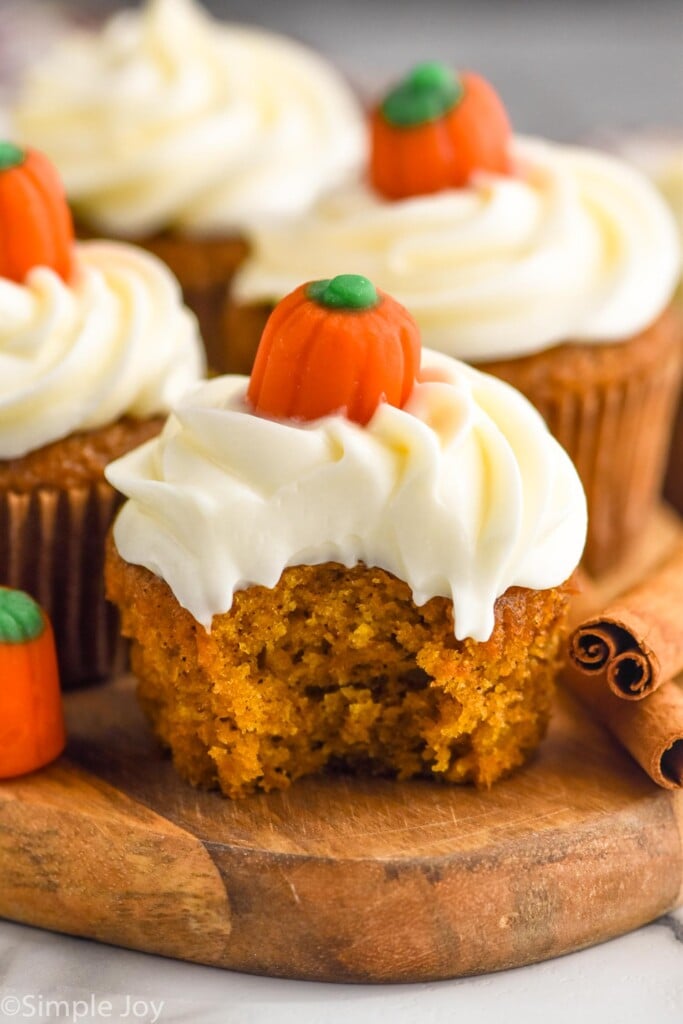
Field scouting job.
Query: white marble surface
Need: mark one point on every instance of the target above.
(637, 979)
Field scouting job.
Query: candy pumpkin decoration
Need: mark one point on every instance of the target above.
(332, 346)
(434, 130)
(36, 229)
(31, 719)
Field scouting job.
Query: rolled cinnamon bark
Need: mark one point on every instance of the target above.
(637, 642)
(651, 731)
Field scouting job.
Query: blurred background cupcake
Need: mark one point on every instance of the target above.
(95, 346)
(180, 132)
(549, 266)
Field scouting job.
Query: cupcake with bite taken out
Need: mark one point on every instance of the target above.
(95, 346)
(550, 267)
(180, 132)
(359, 557)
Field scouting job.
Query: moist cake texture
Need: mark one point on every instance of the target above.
(337, 667)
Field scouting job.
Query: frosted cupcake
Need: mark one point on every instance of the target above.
(357, 557)
(180, 132)
(95, 346)
(551, 267)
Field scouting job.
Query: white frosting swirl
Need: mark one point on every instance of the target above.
(170, 119)
(115, 340)
(575, 246)
(661, 158)
(462, 494)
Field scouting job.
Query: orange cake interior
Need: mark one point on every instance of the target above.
(339, 668)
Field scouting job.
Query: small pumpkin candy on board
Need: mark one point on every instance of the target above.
(31, 716)
(36, 228)
(336, 345)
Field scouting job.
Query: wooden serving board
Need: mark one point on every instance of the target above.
(339, 878)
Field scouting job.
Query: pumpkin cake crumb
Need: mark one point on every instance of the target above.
(77, 460)
(338, 668)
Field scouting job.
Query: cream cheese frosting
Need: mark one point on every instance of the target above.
(115, 340)
(462, 494)
(661, 158)
(574, 246)
(169, 119)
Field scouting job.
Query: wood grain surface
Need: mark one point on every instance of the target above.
(340, 878)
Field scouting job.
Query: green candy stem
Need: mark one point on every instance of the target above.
(428, 92)
(10, 155)
(20, 617)
(346, 291)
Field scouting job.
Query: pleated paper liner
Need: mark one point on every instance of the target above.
(611, 406)
(52, 546)
(204, 267)
(673, 486)
(673, 483)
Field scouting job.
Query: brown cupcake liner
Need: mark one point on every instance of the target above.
(611, 406)
(673, 484)
(52, 546)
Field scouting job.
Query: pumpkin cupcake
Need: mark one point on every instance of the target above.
(180, 132)
(95, 345)
(551, 267)
(358, 557)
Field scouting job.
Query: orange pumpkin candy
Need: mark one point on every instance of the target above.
(331, 346)
(36, 228)
(434, 130)
(31, 719)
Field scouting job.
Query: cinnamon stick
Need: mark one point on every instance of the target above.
(637, 642)
(651, 730)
